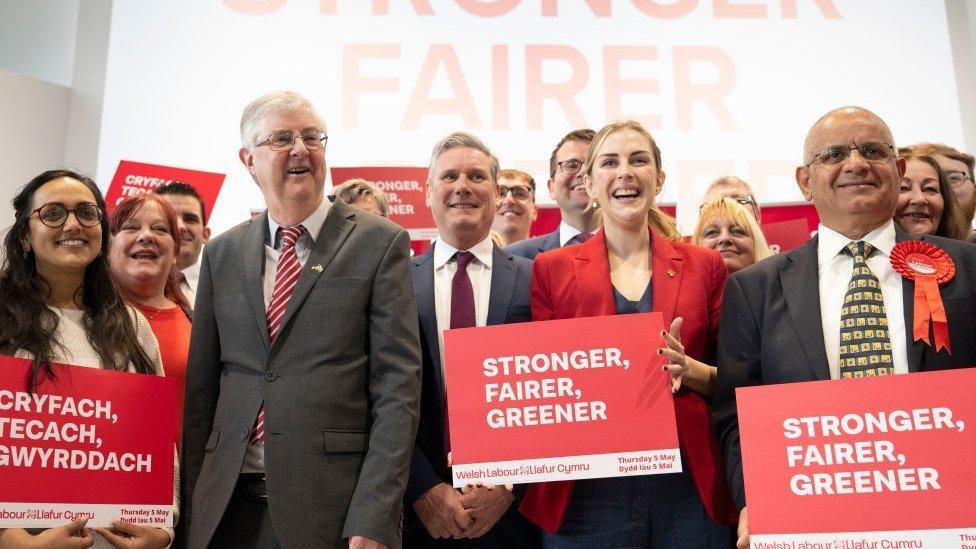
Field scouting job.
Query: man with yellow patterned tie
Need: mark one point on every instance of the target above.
(836, 308)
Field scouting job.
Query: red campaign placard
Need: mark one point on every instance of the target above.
(90, 442)
(784, 236)
(884, 460)
(559, 400)
(406, 192)
(136, 178)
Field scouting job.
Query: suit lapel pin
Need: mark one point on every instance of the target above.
(671, 273)
(317, 268)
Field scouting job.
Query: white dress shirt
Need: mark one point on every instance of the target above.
(191, 276)
(834, 267)
(254, 456)
(479, 271)
(567, 232)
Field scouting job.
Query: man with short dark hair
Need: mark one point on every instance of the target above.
(808, 314)
(191, 216)
(516, 206)
(461, 281)
(579, 216)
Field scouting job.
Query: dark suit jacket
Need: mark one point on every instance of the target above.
(340, 384)
(531, 247)
(771, 331)
(574, 282)
(508, 303)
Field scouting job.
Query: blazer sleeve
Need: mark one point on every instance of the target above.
(739, 365)
(202, 388)
(542, 308)
(716, 287)
(394, 394)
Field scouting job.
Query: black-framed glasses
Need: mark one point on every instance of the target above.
(872, 151)
(282, 141)
(956, 177)
(55, 215)
(519, 192)
(569, 167)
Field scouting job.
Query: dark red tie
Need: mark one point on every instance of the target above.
(462, 295)
(286, 276)
(579, 238)
(462, 316)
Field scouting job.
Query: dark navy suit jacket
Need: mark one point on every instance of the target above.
(511, 279)
(532, 247)
(771, 331)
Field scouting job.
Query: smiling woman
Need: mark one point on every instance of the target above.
(58, 305)
(926, 203)
(142, 256)
(727, 227)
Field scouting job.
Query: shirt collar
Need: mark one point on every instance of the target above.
(567, 232)
(313, 223)
(443, 252)
(192, 274)
(830, 242)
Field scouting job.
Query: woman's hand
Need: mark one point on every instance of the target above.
(132, 536)
(677, 364)
(684, 370)
(70, 535)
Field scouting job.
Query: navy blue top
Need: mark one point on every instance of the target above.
(626, 306)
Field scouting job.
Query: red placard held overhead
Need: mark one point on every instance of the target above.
(90, 443)
(406, 190)
(869, 462)
(559, 400)
(133, 178)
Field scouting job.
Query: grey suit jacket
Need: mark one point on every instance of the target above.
(771, 331)
(340, 384)
(531, 247)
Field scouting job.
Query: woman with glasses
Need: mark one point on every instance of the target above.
(142, 255)
(58, 305)
(727, 227)
(926, 203)
(638, 263)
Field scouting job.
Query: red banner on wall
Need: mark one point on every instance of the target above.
(90, 443)
(559, 400)
(885, 460)
(406, 193)
(133, 178)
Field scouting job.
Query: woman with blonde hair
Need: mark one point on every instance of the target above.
(729, 228)
(638, 263)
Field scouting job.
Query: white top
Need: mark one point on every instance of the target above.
(567, 232)
(191, 276)
(479, 271)
(75, 349)
(834, 267)
(254, 456)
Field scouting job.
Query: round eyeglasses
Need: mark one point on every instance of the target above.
(55, 215)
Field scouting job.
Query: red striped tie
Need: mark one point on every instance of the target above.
(286, 275)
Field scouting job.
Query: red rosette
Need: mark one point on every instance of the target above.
(928, 266)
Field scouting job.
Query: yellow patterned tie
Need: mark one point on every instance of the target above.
(865, 348)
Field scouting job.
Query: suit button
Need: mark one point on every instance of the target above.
(270, 375)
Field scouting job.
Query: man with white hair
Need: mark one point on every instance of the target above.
(303, 379)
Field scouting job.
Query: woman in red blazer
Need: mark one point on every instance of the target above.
(638, 263)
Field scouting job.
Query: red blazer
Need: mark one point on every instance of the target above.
(688, 281)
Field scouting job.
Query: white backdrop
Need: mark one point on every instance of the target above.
(727, 86)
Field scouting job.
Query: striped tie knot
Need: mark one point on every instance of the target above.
(290, 235)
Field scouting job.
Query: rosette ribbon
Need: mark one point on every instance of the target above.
(928, 266)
